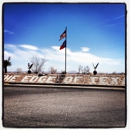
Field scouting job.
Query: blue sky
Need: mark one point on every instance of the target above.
(95, 33)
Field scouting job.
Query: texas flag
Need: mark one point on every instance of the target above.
(63, 45)
(62, 35)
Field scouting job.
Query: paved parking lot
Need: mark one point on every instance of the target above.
(63, 107)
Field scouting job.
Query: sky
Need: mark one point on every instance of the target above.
(95, 34)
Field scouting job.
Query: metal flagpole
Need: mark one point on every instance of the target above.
(65, 48)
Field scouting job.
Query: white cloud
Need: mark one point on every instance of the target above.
(9, 32)
(9, 46)
(116, 18)
(55, 47)
(108, 23)
(7, 54)
(29, 47)
(56, 58)
(85, 49)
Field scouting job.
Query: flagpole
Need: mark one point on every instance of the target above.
(65, 48)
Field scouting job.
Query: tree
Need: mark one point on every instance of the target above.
(18, 70)
(53, 70)
(84, 69)
(114, 72)
(6, 64)
(38, 64)
(80, 68)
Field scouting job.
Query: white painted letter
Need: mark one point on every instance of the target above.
(68, 80)
(42, 79)
(93, 79)
(104, 81)
(114, 81)
(51, 79)
(33, 79)
(76, 80)
(25, 79)
(7, 77)
(13, 78)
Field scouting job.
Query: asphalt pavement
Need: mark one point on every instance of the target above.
(44, 107)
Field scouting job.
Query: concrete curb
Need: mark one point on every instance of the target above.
(65, 86)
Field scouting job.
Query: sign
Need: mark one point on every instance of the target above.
(112, 80)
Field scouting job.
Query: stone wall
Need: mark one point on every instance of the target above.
(109, 80)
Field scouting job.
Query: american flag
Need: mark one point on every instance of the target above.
(62, 35)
